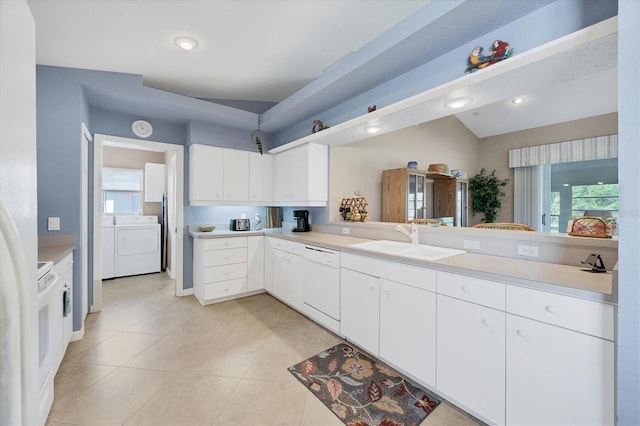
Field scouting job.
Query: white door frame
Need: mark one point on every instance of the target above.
(100, 140)
(86, 139)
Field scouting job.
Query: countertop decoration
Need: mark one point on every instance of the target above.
(259, 137)
(477, 60)
(318, 126)
(354, 209)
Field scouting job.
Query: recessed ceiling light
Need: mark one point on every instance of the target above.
(518, 100)
(458, 102)
(600, 183)
(565, 184)
(186, 43)
(372, 129)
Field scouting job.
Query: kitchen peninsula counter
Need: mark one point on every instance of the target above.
(562, 279)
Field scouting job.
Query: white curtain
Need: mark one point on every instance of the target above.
(528, 196)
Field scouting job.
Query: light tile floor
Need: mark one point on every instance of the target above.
(150, 358)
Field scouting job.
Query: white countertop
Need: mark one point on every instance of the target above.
(562, 279)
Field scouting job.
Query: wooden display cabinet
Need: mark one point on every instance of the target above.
(404, 195)
(450, 198)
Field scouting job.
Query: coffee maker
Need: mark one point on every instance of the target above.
(302, 221)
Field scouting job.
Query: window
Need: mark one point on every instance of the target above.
(121, 191)
(582, 188)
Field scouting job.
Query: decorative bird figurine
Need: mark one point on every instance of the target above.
(500, 50)
(318, 126)
(259, 143)
(371, 108)
(476, 60)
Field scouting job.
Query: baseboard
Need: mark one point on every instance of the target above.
(77, 334)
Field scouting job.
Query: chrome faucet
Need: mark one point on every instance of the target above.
(414, 235)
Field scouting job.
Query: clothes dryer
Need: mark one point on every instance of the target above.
(137, 245)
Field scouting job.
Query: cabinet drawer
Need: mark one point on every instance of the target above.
(415, 276)
(277, 243)
(224, 243)
(225, 288)
(225, 272)
(581, 315)
(225, 257)
(475, 290)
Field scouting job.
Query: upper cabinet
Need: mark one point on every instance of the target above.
(260, 177)
(218, 175)
(301, 176)
(205, 174)
(154, 182)
(223, 176)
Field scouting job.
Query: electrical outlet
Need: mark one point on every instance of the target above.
(53, 224)
(346, 231)
(531, 251)
(257, 216)
(472, 244)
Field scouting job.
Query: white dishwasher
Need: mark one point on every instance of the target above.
(321, 286)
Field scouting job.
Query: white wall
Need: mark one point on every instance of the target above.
(358, 166)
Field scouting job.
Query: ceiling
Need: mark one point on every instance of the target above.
(288, 57)
(252, 50)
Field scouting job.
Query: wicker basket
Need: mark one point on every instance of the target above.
(439, 168)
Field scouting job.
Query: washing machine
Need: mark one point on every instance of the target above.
(137, 245)
(108, 247)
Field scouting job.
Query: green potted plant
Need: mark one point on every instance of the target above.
(487, 194)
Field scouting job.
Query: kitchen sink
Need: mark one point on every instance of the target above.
(413, 251)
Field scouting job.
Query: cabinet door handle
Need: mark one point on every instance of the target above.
(386, 290)
(486, 322)
(521, 333)
(550, 309)
(370, 286)
(464, 289)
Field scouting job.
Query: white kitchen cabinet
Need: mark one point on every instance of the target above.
(560, 354)
(557, 375)
(260, 177)
(220, 268)
(218, 175)
(408, 314)
(294, 281)
(286, 269)
(206, 174)
(301, 176)
(154, 182)
(255, 263)
(279, 274)
(235, 180)
(471, 357)
(359, 309)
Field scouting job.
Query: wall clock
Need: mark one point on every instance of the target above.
(141, 128)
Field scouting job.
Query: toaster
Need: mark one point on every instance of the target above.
(239, 225)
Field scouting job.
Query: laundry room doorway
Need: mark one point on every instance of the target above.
(114, 152)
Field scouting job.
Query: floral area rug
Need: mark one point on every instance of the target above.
(361, 391)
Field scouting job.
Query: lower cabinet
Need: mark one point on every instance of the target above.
(255, 263)
(557, 376)
(471, 356)
(408, 329)
(227, 267)
(286, 272)
(359, 309)
(393, 319)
